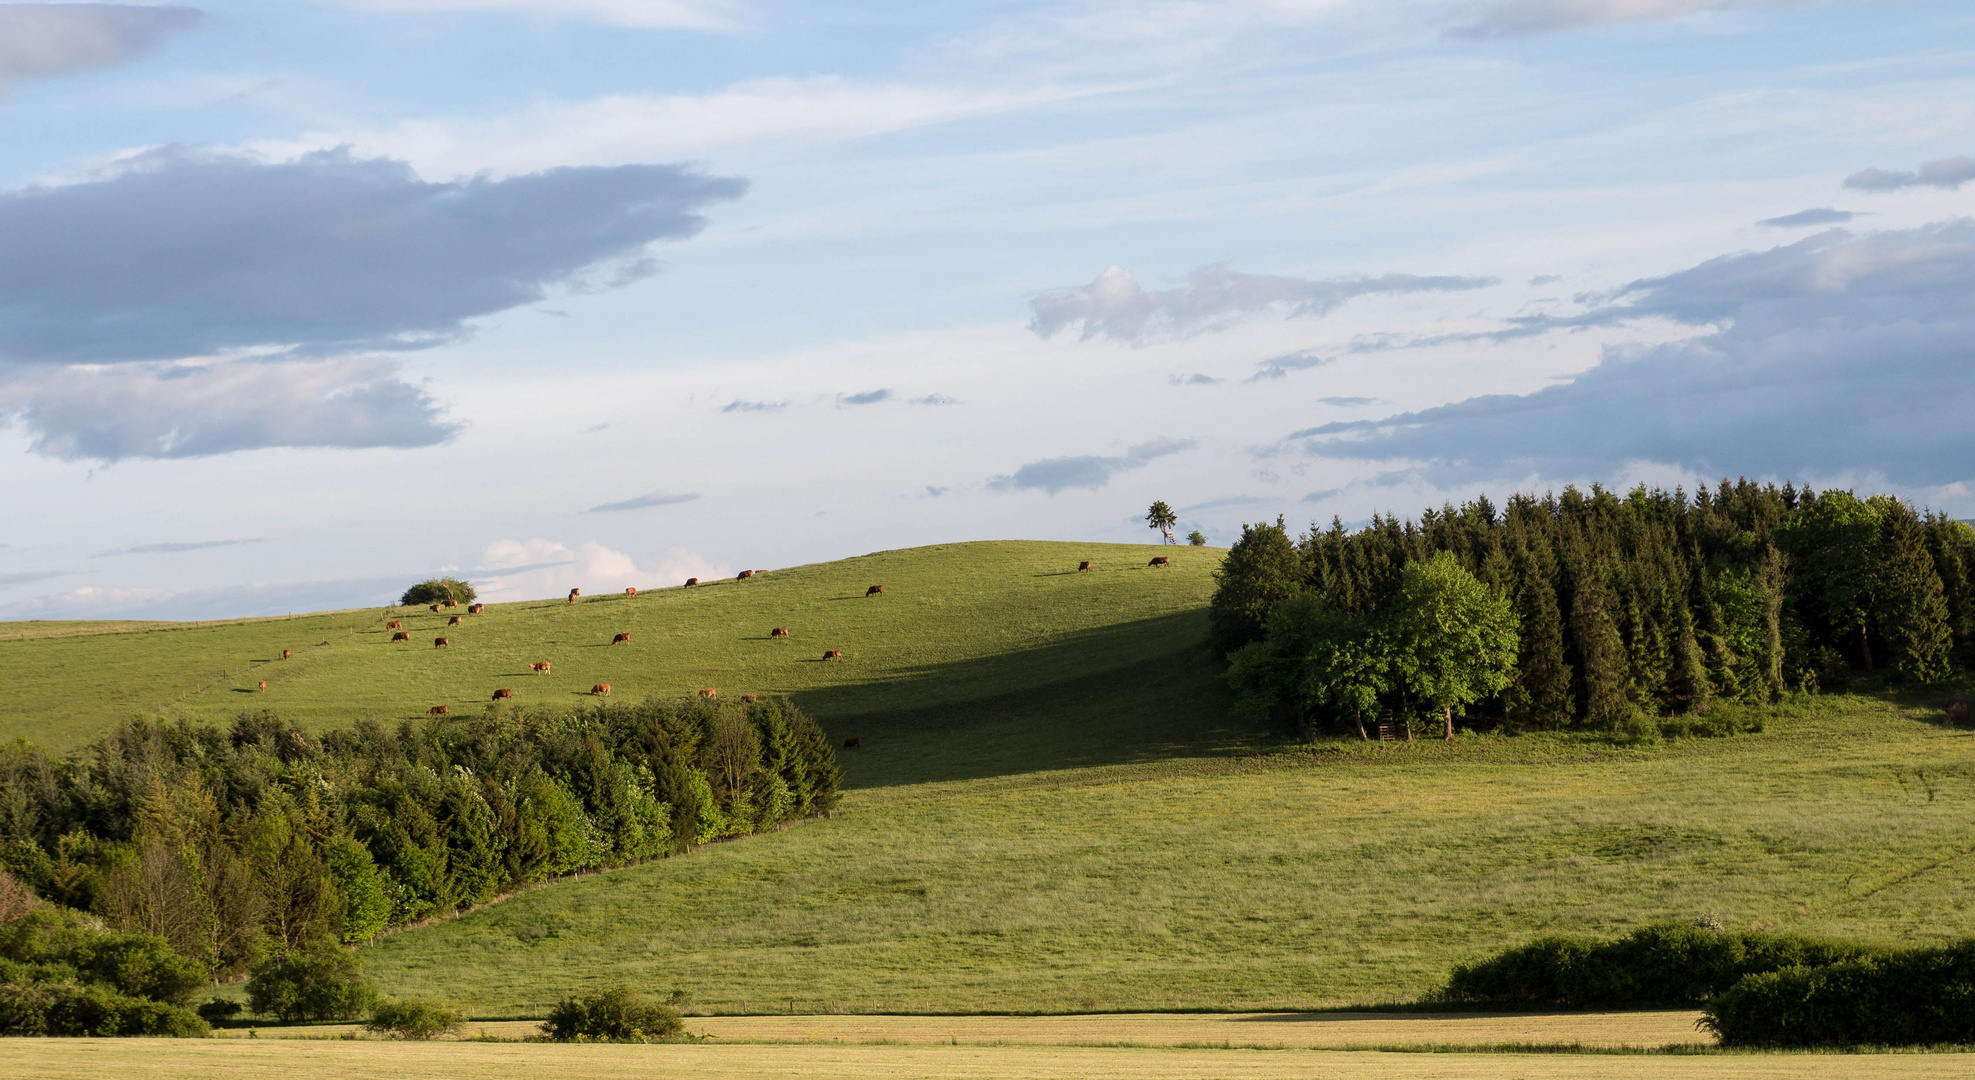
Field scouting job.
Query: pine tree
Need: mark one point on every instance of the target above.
(1912, 605)
(1600, 650)
(1540, 693)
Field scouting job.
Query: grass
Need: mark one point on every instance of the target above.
(1348, 873)
(957, 623)
(157, 1059)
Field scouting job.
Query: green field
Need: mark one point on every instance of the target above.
(957, 623)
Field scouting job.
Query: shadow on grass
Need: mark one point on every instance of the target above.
(1131, 693)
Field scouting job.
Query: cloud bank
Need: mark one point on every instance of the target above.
(1514, 18)
(1214, 297)
(645, 14)
(1830, 356)
(43, 40)
(656, 498)
(1806, 218)
(1946, 173)
(1087, 471)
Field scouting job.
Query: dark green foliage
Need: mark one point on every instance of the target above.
(68, 1008)
(1650, 605)
(616, 1015)
(1197, 538)
(1261, 569)
(321, 983)
(1916, 997)
(1657, 966)
(61, 976)
(231, 844)
(437, 591)
(219, 1010)
(413, 1019)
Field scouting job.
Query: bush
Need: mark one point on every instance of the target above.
(616, 1015)
(1914, 997)
(1657, 966)
(413, 1019)
(67, 1008)
(219, 1010)
(324, 983)
(436, 590)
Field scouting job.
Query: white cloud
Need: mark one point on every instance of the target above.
(1213, 298)
(647, 14)
(41, 40)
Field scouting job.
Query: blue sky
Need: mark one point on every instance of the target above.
(302, 301)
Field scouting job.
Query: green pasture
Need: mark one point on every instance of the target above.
(956, 623)
(1345, 873)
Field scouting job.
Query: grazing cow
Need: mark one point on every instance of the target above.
(435, 609)
(874, 590)
(475, 609)
(503, 694)
(452, 603)
(620, 639)
(441, 642)
(402, 635)
(709, 692)
(573, 594)
(263, 686)
(691, 581)
(747, 699)
(284, 654)
(1082, 566)
(852, 744)
(744, 575)
(632, 591)
(601, 689)
(1160, 560)
(833, 654)
(395, 624)
(780, 631)
(540, 669)
(454, 621)
(439, 710)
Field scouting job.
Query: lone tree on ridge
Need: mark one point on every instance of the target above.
(1161, 517)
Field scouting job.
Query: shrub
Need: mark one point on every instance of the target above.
(434, 590)
(219, 1010)
(1913, 997)
(1197, 538)
(1657, 966)
(616, 1015)
(413, 1019)
(67, 1008)
(324, 983)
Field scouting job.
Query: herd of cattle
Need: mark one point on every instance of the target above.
(602, 689)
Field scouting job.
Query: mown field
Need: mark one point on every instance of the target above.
(957, 623)
(1347, 873)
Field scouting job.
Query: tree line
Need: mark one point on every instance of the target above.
(241, 844)
(1593, 608)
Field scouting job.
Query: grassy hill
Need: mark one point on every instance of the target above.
(958, 623)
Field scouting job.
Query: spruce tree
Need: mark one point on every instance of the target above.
(1540, 694)
(1600, 650)
(1912, 605)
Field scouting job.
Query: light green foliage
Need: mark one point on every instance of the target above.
(438, 590)
(319, 983)
(366, 904)
(1450, 640)
(412, 1019)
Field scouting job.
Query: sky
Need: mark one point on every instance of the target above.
(302, 302)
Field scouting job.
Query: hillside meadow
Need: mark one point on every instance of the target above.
(957, 623)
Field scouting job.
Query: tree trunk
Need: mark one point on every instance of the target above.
(1359, 715)
(1864, 647)
(1450, 722)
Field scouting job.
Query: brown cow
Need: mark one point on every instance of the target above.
(620, 639)
(833, 654)
(744, 575)
(852, 744)
(691, 581)
(439, 710)
(451, 602)
(601, 689)
(632, 591)
(540, 669)
(435, 609)
(747, 699)
(454, 621)
(475, 609)
(874, 590)
(780, 631)
(263, 686)
(441, 642)
(285, 654)
(573, 594)
(709, 692)
(1082, 566)
(402, 635)
(395, 624)
(1160, 560)
(503, 694)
